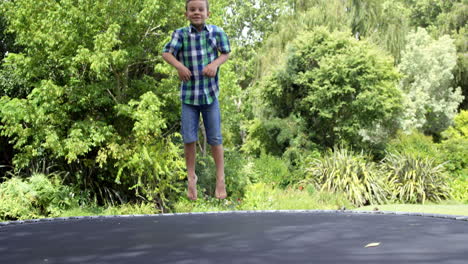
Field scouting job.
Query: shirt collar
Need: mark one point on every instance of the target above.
(192, 28)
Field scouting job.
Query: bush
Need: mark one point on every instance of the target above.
(38, 196)
(460, 189)
(454, 153)
(415, 143)
(414, 179)
(342, 171)
(455, 146)
(270, 169)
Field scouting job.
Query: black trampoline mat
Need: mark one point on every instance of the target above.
(239, 237)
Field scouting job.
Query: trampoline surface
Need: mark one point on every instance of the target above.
(239, 237)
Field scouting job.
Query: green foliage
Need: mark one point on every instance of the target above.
(393, 25)
(415, 179)
(271, 136)
(342, 171)
(343, 90)
(148, 161)
(96, 93)
(430, 100)
(384, 23)
(460, 189)
(425, 12)
(459, 130)
(230, 101)
(249, 21)
(269, 169)
(453, 153)
(416, 143)
(450, 152)
(454, 146)
(461, 70)
(39, 196)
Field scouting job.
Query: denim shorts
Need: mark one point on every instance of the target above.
(211, 119)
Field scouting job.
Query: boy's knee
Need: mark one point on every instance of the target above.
(215, 141)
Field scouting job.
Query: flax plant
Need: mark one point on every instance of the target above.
(342, 171)
(415, 179)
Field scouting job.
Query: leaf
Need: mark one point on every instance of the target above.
(375, 244)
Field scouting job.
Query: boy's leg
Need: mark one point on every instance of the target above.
(212, 121)
(218, 156)
(190, 153)
(190, 118)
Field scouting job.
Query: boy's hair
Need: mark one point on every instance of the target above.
(206, 1)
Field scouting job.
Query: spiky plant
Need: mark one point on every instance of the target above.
(414, 179)
(343, 171)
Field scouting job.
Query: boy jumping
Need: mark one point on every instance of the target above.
(193, 51)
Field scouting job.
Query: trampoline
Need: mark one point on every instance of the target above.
(239, 237)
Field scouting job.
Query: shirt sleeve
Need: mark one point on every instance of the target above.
(175, 44)
(223, 43)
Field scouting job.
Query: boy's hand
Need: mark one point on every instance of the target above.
(184, 73)
(210, 70)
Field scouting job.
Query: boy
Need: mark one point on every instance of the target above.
(193, 51)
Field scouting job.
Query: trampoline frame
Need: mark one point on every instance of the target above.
(71, 218)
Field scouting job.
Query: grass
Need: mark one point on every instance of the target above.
(262, 196)
(447, 209)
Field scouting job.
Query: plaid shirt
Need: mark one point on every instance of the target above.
(196, 50)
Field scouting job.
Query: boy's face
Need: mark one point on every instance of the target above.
(197, 12)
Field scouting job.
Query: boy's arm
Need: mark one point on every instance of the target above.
(184, 72)
(211, 69)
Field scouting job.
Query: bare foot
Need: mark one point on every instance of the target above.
(192, 188)
(220, 192)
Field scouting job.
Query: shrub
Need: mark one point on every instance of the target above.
(342, 171)
(414, 179)
(414, 143)
(455, 146)
(38, 196)
(270, 169)
(460, 189)
(454, 153)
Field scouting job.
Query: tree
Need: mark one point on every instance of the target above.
(430, 100)
(446, 18)
(342, 90)
(101, 104)
(384, 23)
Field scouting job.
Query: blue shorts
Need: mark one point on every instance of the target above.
(211, 119)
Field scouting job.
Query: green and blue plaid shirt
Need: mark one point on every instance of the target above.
(196, 50)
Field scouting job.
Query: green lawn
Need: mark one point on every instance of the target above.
(447, 209)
